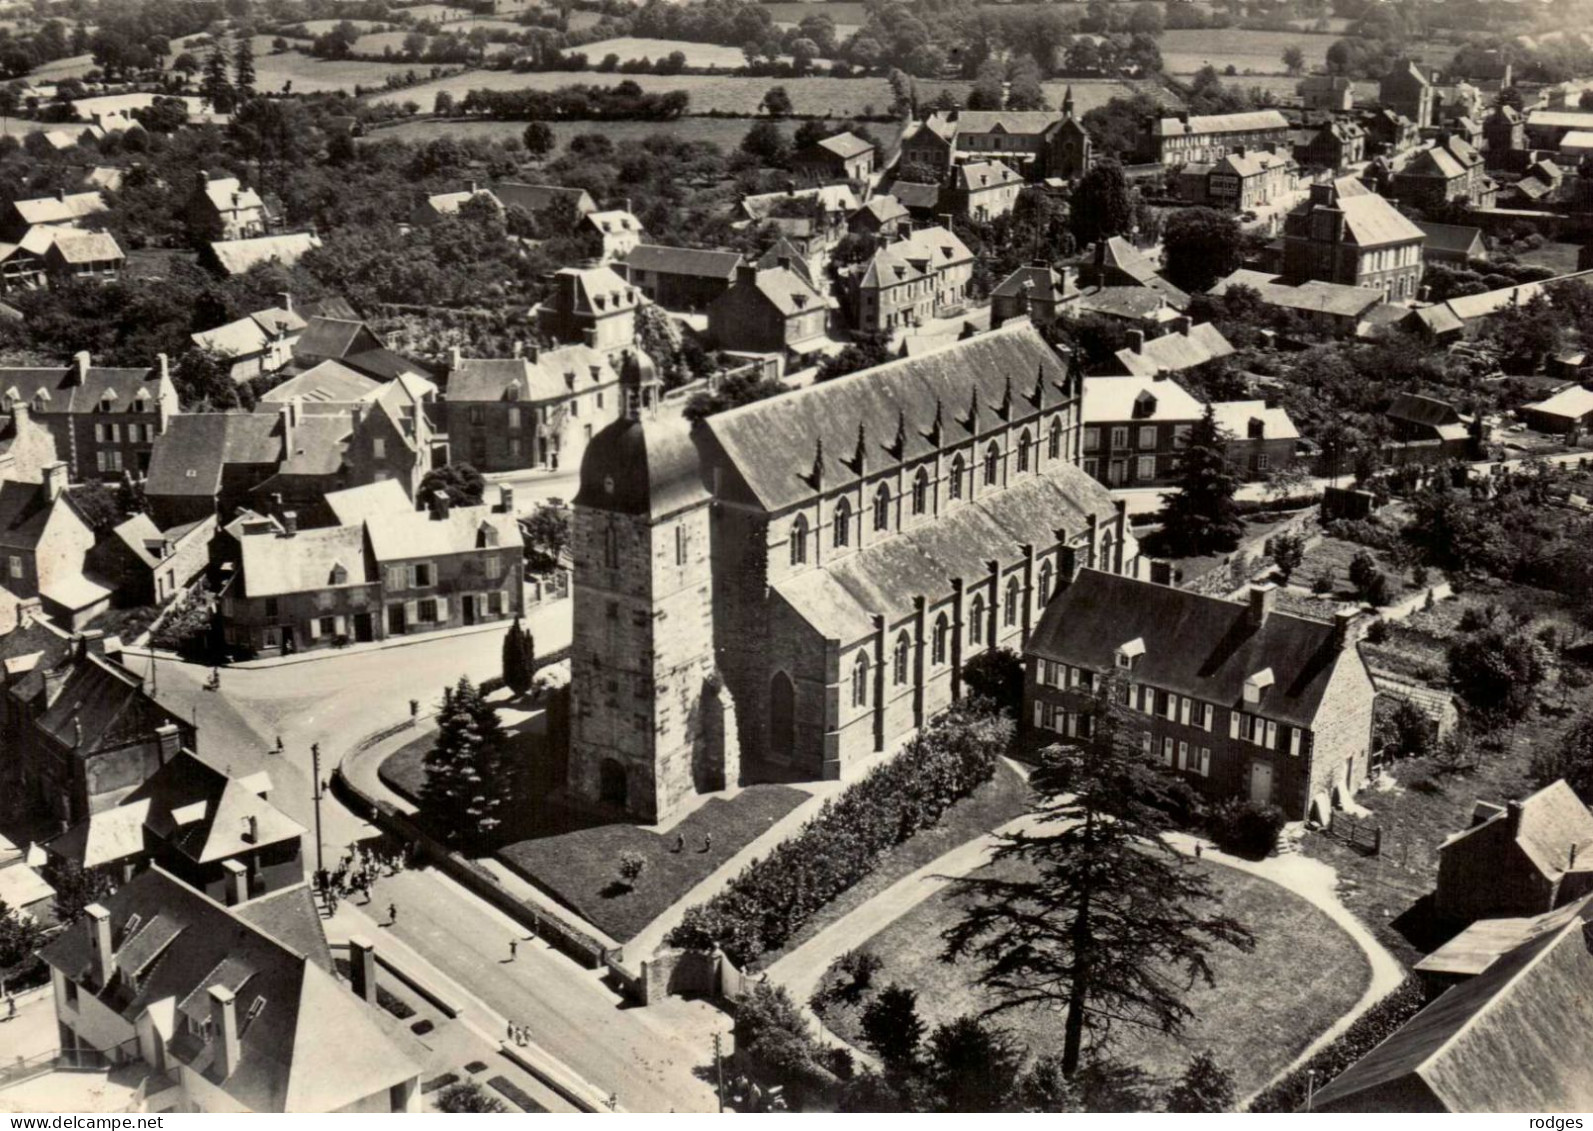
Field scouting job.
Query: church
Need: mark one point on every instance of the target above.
(795, 585)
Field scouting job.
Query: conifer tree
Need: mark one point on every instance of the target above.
(519, 658)
(1200, 517)
(217, 86)
(1103, 918)
(468, 785)
(243, 67)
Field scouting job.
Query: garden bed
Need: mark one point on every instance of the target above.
(1263, 1010)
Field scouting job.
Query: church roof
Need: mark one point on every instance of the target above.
(641, 467)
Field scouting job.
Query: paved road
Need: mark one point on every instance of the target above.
(652, 1058)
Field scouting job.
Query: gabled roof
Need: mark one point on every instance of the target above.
(327, 382)
(1310, 297)
(66, 208)
(977, 176)
(189, 456)
(309, 1045)
(613, 221)
(1517, 1037)
(328, 337)
(64, 392)
(1369, 220)
(1203, 647)
(953, 123)
(883, 208)
(1486, 941)
(553, 374)
(696, 262)
(772, 445)
(1234, 417)
(1246, 122)
(1553, 823)
(845, 145)
(915, 196)
(1577, 401)
(1041, 283)
(87, 247)
(600, 290)
(1175, 352)
(834, 198)
(140, 535)
(398, 536)
(227, 194)
(923, 252)
(354, 505)
(25, 510)
(101, 706)
(449, 203)
(1452, 237)
(534, 198)
(1414, 408)
(275, 564)
(237, 256)
(1120, 255)
(1138, 303)
(788, 292)
(1251, 164)
(1140, 399)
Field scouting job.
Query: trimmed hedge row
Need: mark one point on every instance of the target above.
(774, 896)
(1370, 1029)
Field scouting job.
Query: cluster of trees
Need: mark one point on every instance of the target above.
(623, 101)
(469, 775)
(774, 896)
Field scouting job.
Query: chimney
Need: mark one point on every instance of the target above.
(1091, 534)
(1513, 816)
(1180, 325)
(237, 883)
(1238, 151)
(290, 523)
(169, 740)
(505, 498)
(746, 275)
(285, 300)
(100, 943)
(251, 832)
(519, 348)
(455, 358)
(440, 505)
(54, 480)
(163, 363)
(362, 967)
(533, 353)
(111, 649)
(82, 360)
(1119, 533)
(203, 177)
(1136, 341)
(289, 416)
(1262, 600)
(224, 1019)
(1342, 620)
(783, 262)
(60, 194)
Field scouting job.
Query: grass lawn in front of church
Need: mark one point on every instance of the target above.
(580, 867)
(1262, 1010)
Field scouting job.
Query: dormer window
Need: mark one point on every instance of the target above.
(1130, 652)
(1257, 685)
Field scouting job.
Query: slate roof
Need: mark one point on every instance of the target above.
(108, 702)
(645, 467)
(1245, 122)
(311, 1046)
(1203, 647)
(328, 382)
(916, 196)
(1138, 303)
(1552, 820)
(834, 198)
(992, 121)
(325, 336)
(978, 176)
(1575, 402)
(399, 536)
(1125, 257)
(354, 505)
(1414, 408)
(58, 210)
(1251, 164)
(25, 509)
(788, 292)
(478, 380)
(612, 221)
(65, 394)
(884, 208)
(923, 252)
(227, 194)
(1234, 417)
(1310, 297)
(190, 455)
(534, 198)
(696, 262)
(1110, 399)
(1561, 119)
(138, 534)
(1037, 282)
(1517, 1037)
(106, 837)
(87, 247)
(237, 256)
(1174, 352)
(845, 145)
(1486, 941)
(449, 203)
(319, 442)
(772, 444)
(1452, 237)
(275, 564)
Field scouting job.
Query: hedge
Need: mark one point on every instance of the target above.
(772, 897)
(1370, 1029)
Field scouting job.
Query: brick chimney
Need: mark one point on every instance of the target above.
(362, 967)
(746, 275)
(1263, 598)
(285, 300)
(1136, 341)
(224, 1019)
(441, 504)
(100, 943)
(455, 357)
(506, 498)
(170, 741)
(81, 362)
(237, 883)
(54, 480)
(1513, 816)
(290, 523)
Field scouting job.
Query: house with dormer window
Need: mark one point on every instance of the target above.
(105, 421)
(770, 310)
(535, 409)
(911, 280)
(1240, 699)
(620, 232)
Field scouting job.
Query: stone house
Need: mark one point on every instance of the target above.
(1333, 93)
(1504, 133)
(1237, 698)
(26, 446)
(1038, 292)
(1450, 171)
(984, 190)
(539, 409)
(218, 834)
(844, 157)
(1524, 857)
(679, 278)
(618, 229)
(1452, 243)
(227, 1009)
(80, 257)
(908, 281)
(144, 565)
(1261, 438)
(769, 310)
(1240, 180)
(257, 344)
(224, 209)
(1183, 346)
(1186, 139)
(1335, 145)
(1329, 308)
(105, 421)
(591, 306)
(1346, 234)
(1390, 133)
(44, 539)
(64, 210)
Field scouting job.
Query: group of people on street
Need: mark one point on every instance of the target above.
(362, 866)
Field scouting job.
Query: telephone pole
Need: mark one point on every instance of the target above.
(719, 1071)
(320, 862)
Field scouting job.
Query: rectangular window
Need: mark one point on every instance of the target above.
(1184, 709)
(1183, 755)
(1233, 724)
(71, 992)
(1145, 467)
(1172, 707)
(116, 433)
(397, 577)
(1119, 438)
(420, 575)
(1092, 439)
(514, 419)
(1167, 751)
(476, 416)
(99, 433)
(328, 626)
(1294, 740)
(1181, 435)
(16, 566)
(426, 610)
(1205, 761)
(1092, 468)
(1147, 436)
(494, 567)
(515, 448)
(1272, 735)
(1040, 710)
(495, 603)
(575, 407)
(379, 448)
(271, 608)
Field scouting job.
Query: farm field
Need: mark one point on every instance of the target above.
(1185, 52)
(310, 75)
(72, 67)
(723, 132)
(735, 94)
(633, 47)
(321, 27)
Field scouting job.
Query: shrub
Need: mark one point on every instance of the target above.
(187, 627)
(1378, 590)
(763, 906)
(1245, 828)
(631, 867)
(1377, 631)
(1323, 583)
(468, 1097)
(1368, 1031)
(773, 1039)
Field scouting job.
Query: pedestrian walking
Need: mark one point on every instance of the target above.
(392, 912)
(508, 1031)
(11, 1005)
(707, 842)
(1198, 850)
(514, 949)
(680, 842)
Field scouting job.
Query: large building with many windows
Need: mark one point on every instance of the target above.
(804, 578)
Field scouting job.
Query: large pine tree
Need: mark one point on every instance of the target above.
(243, 67)
(468, 780)
(217, 85)
(1093, 911)
(519, 659)
(1200, 516)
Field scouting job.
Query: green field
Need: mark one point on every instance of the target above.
(1184, 52)
(723, 132)
(697, 54)
(310, 75)
(735, 94)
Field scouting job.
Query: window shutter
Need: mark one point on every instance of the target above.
(1211, 717)
(1145, 742)
(442, 609)
(1295, 734)
(1272, 735)
(1172, 707)
(315, 628)
(1205, 762)
(1183, 711)
(340, 625)
(1183, 755)
(1039, 712)
(1233, 724)
(1167, 751)
(411, 614)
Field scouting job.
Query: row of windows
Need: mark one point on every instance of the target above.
(841, 518)
(136, 433)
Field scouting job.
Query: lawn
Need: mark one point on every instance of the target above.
(736, 94)
(726, 133)
(580, 867)
(1557, 257)
(1333, 556)
(1259, 1014)
(310, 75)
(1003, 798)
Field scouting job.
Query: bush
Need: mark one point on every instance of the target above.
(631, 867)
(1245, 828)
(469, 1097)
(772, 897)
(1323, 584)
(187, 627)
(1368, 1031)
(773, 1040)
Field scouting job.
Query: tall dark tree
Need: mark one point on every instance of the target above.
(1205, 1086)
(463, 483)
(519, 658)
(216, 88)
(539, 139)
(892, 1027)
(467, 789)
(1199, 517)
(974, 1065)
(76, 887)
(1102, 206)
(243, 67)
(1102, 917)
(1201, 245)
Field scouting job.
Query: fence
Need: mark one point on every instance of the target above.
(1357, 833)
(65, 1060)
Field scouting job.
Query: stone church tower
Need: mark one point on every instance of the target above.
(651, 723)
